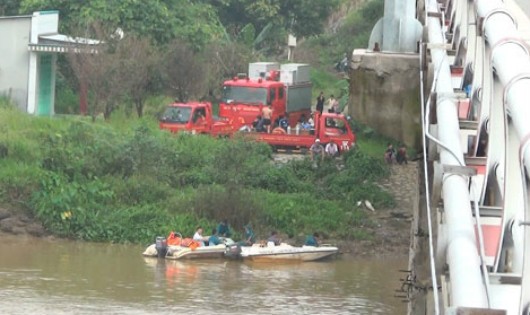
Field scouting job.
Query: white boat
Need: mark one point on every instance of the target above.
(181, 252)
(175, 252)
(286, 252)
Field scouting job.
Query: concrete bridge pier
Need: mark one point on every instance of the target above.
(384, 81)
(384, 94)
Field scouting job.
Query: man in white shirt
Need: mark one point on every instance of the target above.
(331, 149)
(198, 236)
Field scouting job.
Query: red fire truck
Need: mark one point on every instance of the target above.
(286, 88)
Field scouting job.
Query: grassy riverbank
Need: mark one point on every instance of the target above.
(123, 180)
(127, 182)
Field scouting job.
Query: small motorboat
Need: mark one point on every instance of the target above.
(182, 252)
(285, 252)
(175, 247)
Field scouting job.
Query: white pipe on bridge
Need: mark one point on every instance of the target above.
(512, 65)
(511, 61)
(467, 282)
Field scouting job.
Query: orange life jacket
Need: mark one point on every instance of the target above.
(173, 239)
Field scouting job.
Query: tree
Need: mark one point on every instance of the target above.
(223, 61)
(98, 67)
(160, 21)
(300, 17)
(138, 68)
(9, 7)
(184, 73)
(307, 17)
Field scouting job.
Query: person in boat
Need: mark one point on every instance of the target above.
(274, 238)
(312, 240)
(198, 236)
(214, 238)
(249, 235)
(223, 230)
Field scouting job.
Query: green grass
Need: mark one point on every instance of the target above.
(374, 147)
(124, 180)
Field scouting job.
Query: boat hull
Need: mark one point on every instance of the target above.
(287, 253)
(207, 252)
(175, 252)
(203, 252)
(180, 252)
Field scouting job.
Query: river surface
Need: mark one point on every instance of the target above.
(39, 276)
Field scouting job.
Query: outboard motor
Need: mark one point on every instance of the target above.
(233, 251)
(161, 246)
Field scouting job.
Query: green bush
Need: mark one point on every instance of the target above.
(295, 213)
(18, 180)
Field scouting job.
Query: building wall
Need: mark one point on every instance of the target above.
(14, 58)
(385, 94)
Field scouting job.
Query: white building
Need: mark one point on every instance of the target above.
(28, 55)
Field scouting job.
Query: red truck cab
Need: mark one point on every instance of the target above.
(195, 118)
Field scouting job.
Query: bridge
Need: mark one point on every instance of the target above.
(471, 249)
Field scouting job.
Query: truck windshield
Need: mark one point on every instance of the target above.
(245, 95)
(177, 114)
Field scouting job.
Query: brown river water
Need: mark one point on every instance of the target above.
(40, 276)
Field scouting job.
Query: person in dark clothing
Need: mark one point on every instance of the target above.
(257, 124)
(223, 229)
(214, 239)
(283, 122)
(390, 154)
(401, 155)
(312, 240)
(320, 102)
(250, 237)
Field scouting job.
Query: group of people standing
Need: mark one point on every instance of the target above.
(318, 150)
(392, 156)
(333, 104)
(249, 238)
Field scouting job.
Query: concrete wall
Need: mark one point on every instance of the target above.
(14, 58)
(385, 94)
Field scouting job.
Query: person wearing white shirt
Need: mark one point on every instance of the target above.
(198, 236)
(331, 149)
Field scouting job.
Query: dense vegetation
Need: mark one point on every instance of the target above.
(123, 180)
(106, 182)
(185, 49)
